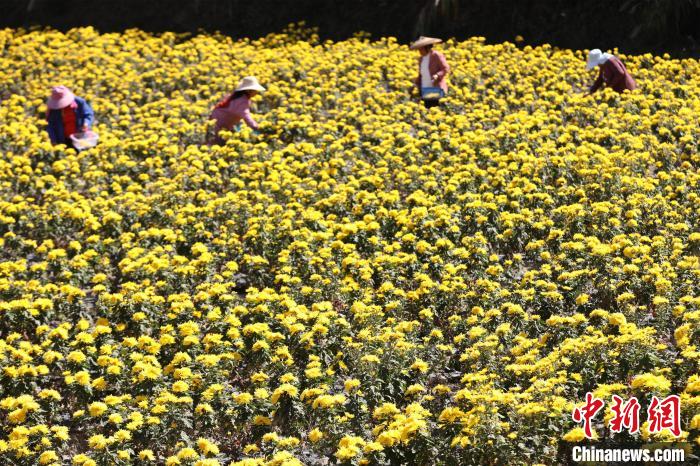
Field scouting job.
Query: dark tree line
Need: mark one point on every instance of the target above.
(632, 25)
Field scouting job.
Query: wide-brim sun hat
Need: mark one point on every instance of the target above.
(595, 58)
(422, 41)
(61, 97)
(249, 83)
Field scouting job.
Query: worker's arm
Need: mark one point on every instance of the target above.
(86, 116)
(444, 68)
(248, 118)
(598, 82)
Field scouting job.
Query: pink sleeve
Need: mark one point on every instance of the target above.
(248, 118)
(444, 67)
(240, 108)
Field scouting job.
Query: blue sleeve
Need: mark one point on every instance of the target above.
(86, 116)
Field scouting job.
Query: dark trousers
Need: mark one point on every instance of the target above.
(429, 103)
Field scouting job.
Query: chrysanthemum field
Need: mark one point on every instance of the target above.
(366, 281)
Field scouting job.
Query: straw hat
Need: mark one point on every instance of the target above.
(61, 97)
(595, 58)
(423, 41)
(249, 83)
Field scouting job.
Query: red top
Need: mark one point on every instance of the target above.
(69, 121)
(614, 74)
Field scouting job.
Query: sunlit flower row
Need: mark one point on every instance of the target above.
(367, 281)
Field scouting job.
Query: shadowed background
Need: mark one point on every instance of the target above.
(632, 25)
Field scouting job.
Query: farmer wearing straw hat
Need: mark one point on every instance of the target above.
(236, 107)
(612, 72)
(432, 70)
(67, 115)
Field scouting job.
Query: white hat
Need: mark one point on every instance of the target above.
(249, 83)
(595, 58)
(422, 41)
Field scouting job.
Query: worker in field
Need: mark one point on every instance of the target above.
(67, 116)
(432, 71)
(235, 108)
(612, 72)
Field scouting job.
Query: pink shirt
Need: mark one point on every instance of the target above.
(437, 65)
(229, 116)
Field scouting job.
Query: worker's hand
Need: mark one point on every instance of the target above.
(85, 129)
